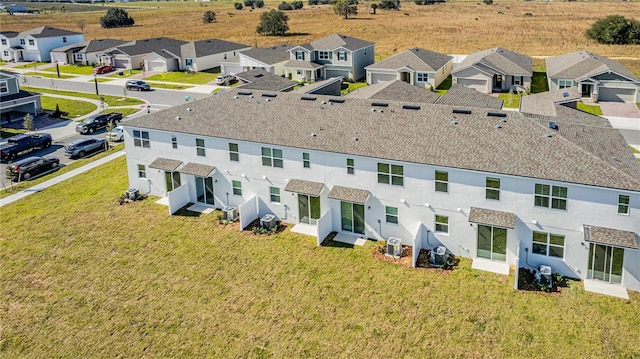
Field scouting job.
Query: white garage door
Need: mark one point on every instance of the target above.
(479, 85)
(157, 66)
(617, 95)
(377, 78)
(121, 64)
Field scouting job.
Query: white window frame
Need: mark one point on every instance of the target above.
(4, 41)
(351, 167)
(549, 196)
(139, 139)
(300, 55)
(272, 157)
(32, 42)
(142, 171)
(234, 154)
(342, 56)
(391, 215)
(564, 83)
(274, 194)
(441, 182)
(623, 203)
(174, 142)
(422, 76)
(306, 162)
(440, 225)
(200, 149)
(489, 189)
(391, 177)
(4, 86)
(517, 80)
(236, 187)
(323, 55)
(546, 244)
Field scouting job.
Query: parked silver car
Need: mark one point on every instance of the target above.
(82, 147)
(116, 135)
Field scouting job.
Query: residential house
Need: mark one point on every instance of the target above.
(419, 67)
(598, 78)
(459, 95)
(331, 56)
(155, 54)
(260, 79)
(331, 86)
(494, 70)
(546, 103)
(272, 59)
(84, 53)
(395, 90)
(500, 187)
(207, 54)
(35, 44)
(14, 102)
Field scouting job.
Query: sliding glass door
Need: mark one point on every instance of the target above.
(605, 263)
(492, 243)
(204, 190)
(308, 209)
(352, 217)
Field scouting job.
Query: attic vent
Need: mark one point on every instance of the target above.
(189, 109)
(178, 118)
(245, 93)
(258, 75)
(547, 135)
(454, 122)
(496, 114)
(269, 95)
(466, 112)
(498, 126)
(553, 125)
(379, 104)
(336, 100)
(565, 94)
(411, 107)
(308, 98)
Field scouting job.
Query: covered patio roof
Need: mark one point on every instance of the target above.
(349, 194)
(197, 169)
(304, 187)
(610, 236)
(165, 164)
(492, 218)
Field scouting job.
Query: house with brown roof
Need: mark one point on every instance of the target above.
(499, 187)
(35, 44)
(597, 77)
(494, 70)
(417, 66)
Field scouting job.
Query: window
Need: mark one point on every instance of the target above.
(390, 174)
(305, 160)
(442, 224)
(442, 181)
(22, 42)
(237, 188)
(391, 214)
(174, 142)
(350, 166)
(623, 204)
(6, 53)
(233, 152)
(64, 39)
(79, 56)
(4, 41)
(299, 55)
(141, 139)
(492, 190)
(557, 194)
(548, 244)
(564, 83)
(342, 56)
(142, 171)
(517, 80)
(200, 147)
(189, 62)
(4, 87)
(32, 42)
(299, 72)
(422, 77)
(274, 194)
(323, 55)
(272, 157)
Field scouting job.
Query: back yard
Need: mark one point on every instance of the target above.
(131, 281)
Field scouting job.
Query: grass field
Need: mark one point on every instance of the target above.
(511, 100)
(132, 281)
(71, 69)
(109, 100)
(592, 109)
(70, 108)
(199, 78)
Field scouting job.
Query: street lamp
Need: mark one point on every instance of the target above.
(57, 69)
(95, 80)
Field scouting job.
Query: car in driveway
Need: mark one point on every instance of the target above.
(82, 147)
(98, 121)
(225, 80)
(137, 85)
(103, 69)
(116, 135)
(31, 166)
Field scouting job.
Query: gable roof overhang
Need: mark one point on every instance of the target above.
(349, 194)
(197, 169)
(591, 77)
(610, 237)
(304, 187)
(492, 218)
(165, 164)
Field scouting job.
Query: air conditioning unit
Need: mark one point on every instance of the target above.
(394, 247)
(268, 221)
(230, 213)
(439, 257)
(544, 275)
(132, 194)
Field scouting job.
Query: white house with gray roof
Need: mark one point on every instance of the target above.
(494, 70)
(419, 67)
(164, 53)
(331, 56)
(272, 59)
(35, 44)
(497, 187)
(597, 77)
(207, 54)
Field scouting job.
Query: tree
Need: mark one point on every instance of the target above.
(313, 2)
(208, 17)
(374, 6)
(27, 122)
(273, 23)
(389, 5)
(259, 4)
(346, 8)
(81, 24)
(284, 6)
(238, 5)
(488, 2)
(297, 5)
(116, 17)
(616, 30)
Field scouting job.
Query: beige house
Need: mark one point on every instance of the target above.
(494, 70)
(416, 66)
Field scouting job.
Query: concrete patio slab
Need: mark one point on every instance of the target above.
(488, 265)
(350, 239)
(201, 209)
(599, 287)
(306, 229)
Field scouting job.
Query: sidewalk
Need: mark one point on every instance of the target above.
(58, 179)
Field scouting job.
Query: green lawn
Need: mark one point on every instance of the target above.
(101, 79)
(109, 100)
(353, 86)
(633, 149)
(539, 82)
(71, 108)
(163, 85)
(511, 100)
(198, 78)
(52, 75)
(8, 132)
(592, 109)
(444, 86)
(132, 281)
(125, 73)
(32, 65)
(72, 69)
(124, 111)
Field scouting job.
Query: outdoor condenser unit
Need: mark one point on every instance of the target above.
(132, 194)
(545, 272)
(230, 213)
(268, 221)
(394, 247)
(439, 256)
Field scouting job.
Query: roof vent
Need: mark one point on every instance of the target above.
(373, 109)
(236, 97)
(323, 103)
(498, 126)
(258, 75)
(466, 112)
(411, 107)
(178, 118)
(336, 100)
(245, 93)
(454, 122)
(189, 109)
(565, 94)
(269, 95)
(547, 135)
(308, 98)
(496, 114)
(553, 125)
(355, 139)
(313, 134)
(268, 100)
(379, 104)
(503, 120)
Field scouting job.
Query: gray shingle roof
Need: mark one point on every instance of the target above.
(197, 169)
(147, 46)
(47, 31)
(304, 187)
(348, 194)
(260, 79)
(416, 58)
(9, 34)
(576, 153)
(209, 47)
(101, 45)
(335, 41)
(610, 236)
(269, 55)
(505, 61)
(299, 64)
(492, 218)
(318, 85)
(395, 91)
(583, 64)
(544, 103)
(165, 164)
(459, 95)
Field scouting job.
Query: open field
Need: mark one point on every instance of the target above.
(132, 281)
(457, 27)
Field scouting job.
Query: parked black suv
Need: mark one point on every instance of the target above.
(31, 166)
(138, 85)
(98, 121)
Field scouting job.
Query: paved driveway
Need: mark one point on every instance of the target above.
(619, 109)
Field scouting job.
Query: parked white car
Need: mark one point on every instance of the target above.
(225, 80)
(116, 135)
